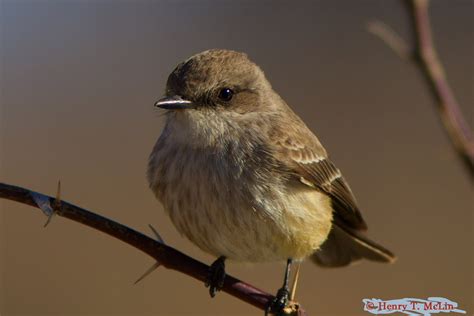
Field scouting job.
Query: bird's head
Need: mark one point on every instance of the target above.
(220, 81)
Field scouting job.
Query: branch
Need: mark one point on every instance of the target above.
(165, 255)
(390, 38)
(425, 56)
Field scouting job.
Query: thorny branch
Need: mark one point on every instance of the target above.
(425, 56)
(163, 254)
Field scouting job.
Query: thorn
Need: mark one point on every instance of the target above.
(157, 264)
(57, 200)
(56, 204)
(157, 235)
(48, 220)
(295, 282)
(147, 272)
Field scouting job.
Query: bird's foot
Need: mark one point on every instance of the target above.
(216, 276)
(278, 304)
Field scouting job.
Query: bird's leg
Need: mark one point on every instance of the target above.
(216, 276)
(279, 303)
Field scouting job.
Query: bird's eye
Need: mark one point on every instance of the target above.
(226, 94)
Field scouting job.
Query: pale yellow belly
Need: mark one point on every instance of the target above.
(284, 225)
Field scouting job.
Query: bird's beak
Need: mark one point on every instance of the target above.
(174, 103)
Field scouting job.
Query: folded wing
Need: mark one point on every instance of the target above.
(305, 158)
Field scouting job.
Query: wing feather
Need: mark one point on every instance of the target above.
(307, 159)
(301, 156)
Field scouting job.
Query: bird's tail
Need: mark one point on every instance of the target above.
(345, 246)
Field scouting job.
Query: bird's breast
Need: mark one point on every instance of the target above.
(230, 201)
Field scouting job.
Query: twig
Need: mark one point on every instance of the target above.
(425, 56)
(391, 38)
(165, 255)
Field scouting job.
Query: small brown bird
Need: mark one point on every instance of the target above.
(242, 177)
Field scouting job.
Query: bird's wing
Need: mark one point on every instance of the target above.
(304, 156)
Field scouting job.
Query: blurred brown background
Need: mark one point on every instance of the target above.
(78, 81)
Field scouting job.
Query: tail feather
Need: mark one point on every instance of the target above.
(345, 246)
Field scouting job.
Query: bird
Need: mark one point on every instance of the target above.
(242, 176)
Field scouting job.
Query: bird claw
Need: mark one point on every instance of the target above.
(279, 303)
(216, 276)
